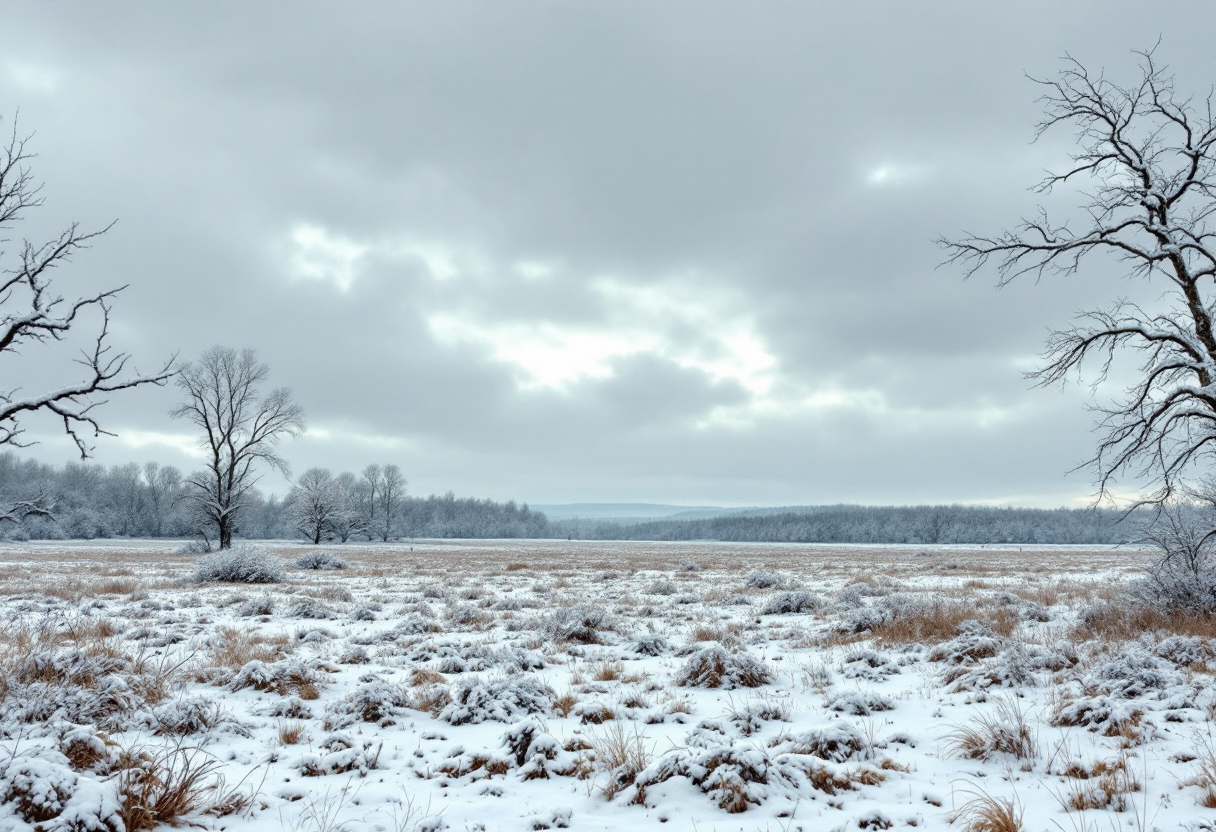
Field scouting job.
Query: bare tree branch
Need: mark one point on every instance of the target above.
(1150, 157)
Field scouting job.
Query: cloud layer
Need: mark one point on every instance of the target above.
(571, 252)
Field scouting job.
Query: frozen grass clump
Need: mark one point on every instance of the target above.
(240, 564)
(651, 645)
(858, 703)
(689, 566)
(1132, 672)
(715, 667)
(869, 665)
(762, 579)
(497, 700)
(377, 702)
(835, 742)
(582, 624)
(341, 754)
(663, 586)
(321, 560)
(311, 608)
(790, 602)
(256, 606)
(1183, 650)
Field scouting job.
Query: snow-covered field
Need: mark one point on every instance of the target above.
(519, 685)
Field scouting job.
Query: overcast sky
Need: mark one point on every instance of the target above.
(562, 252)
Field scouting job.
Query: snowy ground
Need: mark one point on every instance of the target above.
(519, 685)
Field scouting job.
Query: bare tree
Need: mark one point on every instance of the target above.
(370, 494)
(1148, 156)
(348, 519)
(314, 504)
(32, 313)
(391, 494)
(241, 430)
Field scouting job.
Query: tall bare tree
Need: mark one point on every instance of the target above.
(1147, 156)
(314, 504)
(33, 314)
(241, 428)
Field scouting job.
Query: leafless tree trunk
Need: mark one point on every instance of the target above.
(392, 492)
(1148, 155)
(314, 504)
(240, 427)
(31, 313)
(371, 493)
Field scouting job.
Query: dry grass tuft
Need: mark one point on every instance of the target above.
(234, 648)
(291, 731)
(623, 755)
(1103, 785)
(1121, 622)
(934, 623)
(607, 671)
(985, 813)
(1004, 731)
(565, 703)
(516, 567)
(420, 676)
(164, 786)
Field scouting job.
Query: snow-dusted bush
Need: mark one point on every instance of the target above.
(1131, 672)
(858, 702)
(497, 700)
(256, 606)
(651, 645)
(790, 602)
(321, 560)
(869, 664)
(582, 623)
(663, 586)
(762, 579)
(240, 564)
(378, 702)
(837, 742)
(1184, 576)
(341, 754)
(715, 667)
(286, 678)
(311, 608)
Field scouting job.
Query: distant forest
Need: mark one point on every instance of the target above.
(878, 524)
(86, 501)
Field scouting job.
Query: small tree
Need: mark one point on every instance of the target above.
(241, 428)
(32, 315)
(1149, 157)
(314, 504)
(391, 494)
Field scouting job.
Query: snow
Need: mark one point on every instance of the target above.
(520, 685)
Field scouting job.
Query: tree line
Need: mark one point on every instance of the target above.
(877, 524)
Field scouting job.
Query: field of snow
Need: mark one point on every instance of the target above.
(522, 685)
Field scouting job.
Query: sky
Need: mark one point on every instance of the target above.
(583, 252)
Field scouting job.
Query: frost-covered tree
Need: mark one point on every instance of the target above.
(314, 504)
(241, 427)
(34, 317)
(348, 520)
(1146, 157)
(390, 493)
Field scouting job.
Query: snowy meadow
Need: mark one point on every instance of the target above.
(523, 685)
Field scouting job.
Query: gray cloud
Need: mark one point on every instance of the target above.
(592, 251)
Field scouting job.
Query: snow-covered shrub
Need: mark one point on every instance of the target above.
(286, 678)
(497, 700)
(256, 606)
(689, 566)
(192, 715)
(240, 564)
(1099, 714)
(582, 623)
(858, 702)
(790, 602)
(341, 754)
(869, 665)
(193, 547)
(975, 641)
(1184, 576)
(737, 777)
(1132, 672)
(321, 560)
(663, 586)
(1183, 650)
(762, 579)
(750, 718)
(377, 702)
(650, 645)
(715, 667)
(311, 608)
(1003, 730)
(836, 742)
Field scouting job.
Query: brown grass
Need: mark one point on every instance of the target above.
(940, 622)
(291, 731)
(516, 567)
(424, 676)
(234, 648)
(565, 703)
(607, 671)
(164, 786)
(1114, 622)
(1102, 785)
(985, 813)
(1004, 731)
(623, 754)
